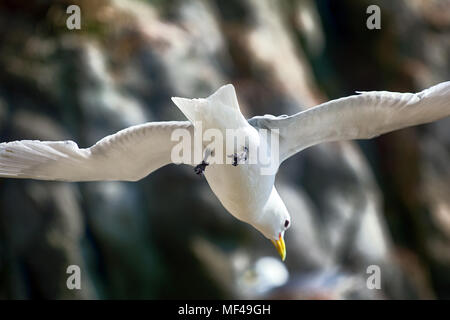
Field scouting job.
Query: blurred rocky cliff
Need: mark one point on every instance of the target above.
(383, 202)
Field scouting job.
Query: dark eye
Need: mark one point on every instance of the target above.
(286, 223)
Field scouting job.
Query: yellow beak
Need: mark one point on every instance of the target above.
(281, 247)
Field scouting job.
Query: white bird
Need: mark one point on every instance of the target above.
(135, 152)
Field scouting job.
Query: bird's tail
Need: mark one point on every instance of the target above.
(198, 109)
(189, 107)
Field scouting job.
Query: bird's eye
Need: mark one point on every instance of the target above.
(286, 223)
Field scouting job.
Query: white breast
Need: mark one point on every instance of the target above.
(242, 190)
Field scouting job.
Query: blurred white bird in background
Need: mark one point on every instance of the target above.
(135, 152)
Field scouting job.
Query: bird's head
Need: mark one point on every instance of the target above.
(273, 223)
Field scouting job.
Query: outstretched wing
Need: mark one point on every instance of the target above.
(362, 116)
(129, 155)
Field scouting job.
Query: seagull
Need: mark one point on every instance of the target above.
(250, 196)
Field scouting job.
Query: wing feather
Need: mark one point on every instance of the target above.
(129, 155)
(362, 116)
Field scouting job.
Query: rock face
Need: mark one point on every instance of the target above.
(384, 202)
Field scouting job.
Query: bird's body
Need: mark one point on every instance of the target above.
(243, 187)
(242, 190)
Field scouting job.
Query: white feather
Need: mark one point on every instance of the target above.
(362, 116)
(130, 155)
